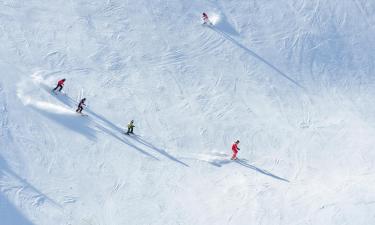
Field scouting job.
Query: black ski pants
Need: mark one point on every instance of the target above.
(58, 86)
(79, 110)
(130, 130)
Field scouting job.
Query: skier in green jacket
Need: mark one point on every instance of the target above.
(130, 127)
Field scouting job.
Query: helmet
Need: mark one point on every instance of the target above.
(238, 141)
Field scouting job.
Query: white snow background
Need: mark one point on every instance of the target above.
(292, 80)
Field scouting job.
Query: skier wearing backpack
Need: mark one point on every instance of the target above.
(60, 85)
(130, 127)
(235, 149)
(80, 105)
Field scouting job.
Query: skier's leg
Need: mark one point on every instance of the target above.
(55, 88)
(234, 156)
(61, 87)
(131, 130)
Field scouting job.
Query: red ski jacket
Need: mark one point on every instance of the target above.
(235, 147)
(61, 82)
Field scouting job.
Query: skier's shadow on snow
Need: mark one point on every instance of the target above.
(220, 162)
(113, 130)
(244, 163)
(71, 121)
(123, 140)
(102, 124)
(39, 197)
(62, 97)
(265, 172)
(136, 138)
(9, 214)
(159, 150)
(229, 38)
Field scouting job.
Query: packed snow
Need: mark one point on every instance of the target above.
(292, 80)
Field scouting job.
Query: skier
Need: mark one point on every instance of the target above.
(130, 127)
(60, 84)
(80, 105)
(205, 19)
(235, 149)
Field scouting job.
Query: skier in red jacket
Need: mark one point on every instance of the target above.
(60, 85)
(235, 149)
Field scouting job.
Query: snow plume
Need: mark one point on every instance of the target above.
(29, 94)
(214, 18)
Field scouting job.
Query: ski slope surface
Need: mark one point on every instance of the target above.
(292, 80)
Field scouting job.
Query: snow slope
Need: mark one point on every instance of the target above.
(293, 80)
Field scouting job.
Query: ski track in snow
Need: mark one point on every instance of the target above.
(292, 81)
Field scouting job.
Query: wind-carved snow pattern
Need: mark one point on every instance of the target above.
(292, 80)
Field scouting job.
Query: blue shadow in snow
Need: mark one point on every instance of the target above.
(220, 162)
(65, 99)
(245, 164)
(159, 150)
(123, 140)
(62, 97)
(137, 138)
(229, 38)
(74, 122)
(113, 130)
(9, 214)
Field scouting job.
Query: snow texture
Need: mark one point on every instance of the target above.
(292, 80)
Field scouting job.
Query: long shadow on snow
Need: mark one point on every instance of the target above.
(229, 38)
(161, 151)
(73, 122)
(242, 162)
(137, 138)
(111, 133)
(70, 102)
(62, 97)
(9, 214)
